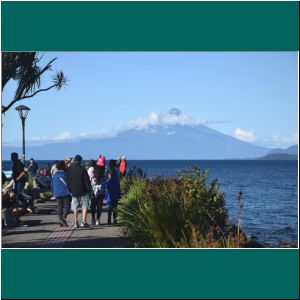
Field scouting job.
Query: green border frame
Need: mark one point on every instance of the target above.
(172, 274)
(150, 26)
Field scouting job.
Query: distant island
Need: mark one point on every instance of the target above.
(279, 156)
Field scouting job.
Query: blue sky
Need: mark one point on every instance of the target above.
(250, 95)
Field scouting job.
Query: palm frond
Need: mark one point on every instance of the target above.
(25, 69)
(59, 80)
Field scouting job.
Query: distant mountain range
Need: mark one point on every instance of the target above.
(293, 150)
(278, 156)
(171, 136)
(290, 153)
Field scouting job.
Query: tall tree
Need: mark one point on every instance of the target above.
(24, 68)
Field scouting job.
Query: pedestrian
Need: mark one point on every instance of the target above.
(53, 169)
(28, 195)
(61, 192)
(48, 169)
(101, 162)
(19, 178)
(90, 170)
(10, 208)
(97, 178)
(3, 178)
(113, 192)
(32, 167)
(68, 161)
(122, 166)
(113, 168)
(80, 188)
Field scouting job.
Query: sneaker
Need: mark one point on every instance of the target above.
(84, 225)
(21, 223)
(76, 225)
(98, 222)
(28, 209)
(93, 222)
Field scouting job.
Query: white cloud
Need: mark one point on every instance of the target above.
(63, 136)
(245, 135)
(60, 137)
(172, 117)
(67, 136)
(284, 141)
(277, 141)
(296, 137)
(99, 134)
(38, 138)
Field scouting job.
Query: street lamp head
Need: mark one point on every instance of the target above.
(23, 111)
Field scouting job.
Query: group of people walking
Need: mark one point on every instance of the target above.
(87, 187)
(77, 186)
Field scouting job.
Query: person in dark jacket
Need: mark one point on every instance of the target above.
(80, 188)
(113, 192)
(4, 178)
(32, 167)
(61, 192)
(19, 177)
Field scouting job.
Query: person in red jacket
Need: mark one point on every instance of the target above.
(101, 161)
(122, 166)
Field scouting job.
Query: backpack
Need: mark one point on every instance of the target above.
(99, 173)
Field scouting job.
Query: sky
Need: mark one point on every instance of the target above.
(252, 96)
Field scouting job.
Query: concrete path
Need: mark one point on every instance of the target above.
(41, 230)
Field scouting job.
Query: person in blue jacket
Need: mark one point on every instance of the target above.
(61, 192)
(113, 192)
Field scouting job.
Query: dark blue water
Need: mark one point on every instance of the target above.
(270, 192)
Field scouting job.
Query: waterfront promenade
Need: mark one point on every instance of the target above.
(41, 230)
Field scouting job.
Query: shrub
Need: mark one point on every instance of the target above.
(132, 175)
(183, 212)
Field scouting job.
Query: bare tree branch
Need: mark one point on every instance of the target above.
(20, 93)
(23, 67)
(6, 108)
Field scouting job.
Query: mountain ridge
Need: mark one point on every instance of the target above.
(153, 142)
(292, 150)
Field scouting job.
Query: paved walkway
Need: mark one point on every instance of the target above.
(41, 230)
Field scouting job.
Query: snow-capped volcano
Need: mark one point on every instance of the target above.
(173, 117)
(171, 135)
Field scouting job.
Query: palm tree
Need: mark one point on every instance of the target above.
(24, 68)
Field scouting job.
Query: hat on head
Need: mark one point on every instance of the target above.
(78, 158)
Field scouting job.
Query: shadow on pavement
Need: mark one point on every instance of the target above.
(26, 244)
(11, 232)
(96, 242)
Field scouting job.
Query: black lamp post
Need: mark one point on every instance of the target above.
(23, 112)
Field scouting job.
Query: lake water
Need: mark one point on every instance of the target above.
(270, 192)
